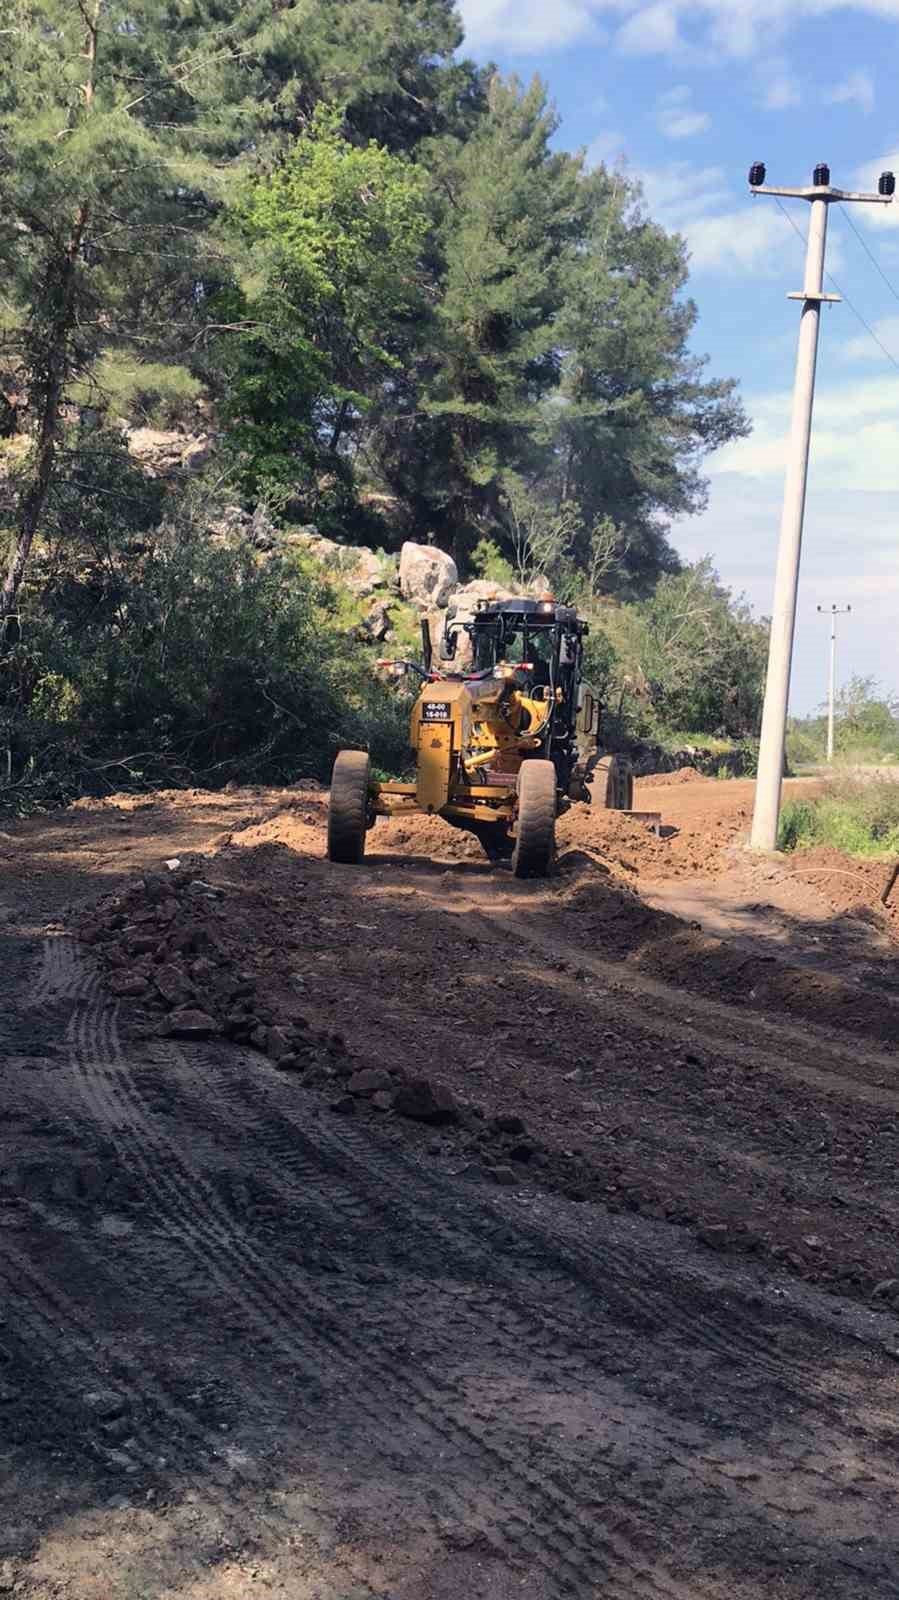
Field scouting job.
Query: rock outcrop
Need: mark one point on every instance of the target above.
(168, 454)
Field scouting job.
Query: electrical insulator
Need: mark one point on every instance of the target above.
(886, 184)
(821, 176)
(756, 174)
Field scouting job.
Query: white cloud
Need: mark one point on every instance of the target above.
(528, 26)
(853, 438)
(650, 31)
(679, 194)
(857, 89)
(721, 236)
(732, 28)
(779, 86)
(734, 241)
(677, 118)
(863, 348)
(608, 149)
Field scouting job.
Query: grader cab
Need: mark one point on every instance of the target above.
(502, 745)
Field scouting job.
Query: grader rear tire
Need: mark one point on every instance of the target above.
(348, 810)
(535, 843)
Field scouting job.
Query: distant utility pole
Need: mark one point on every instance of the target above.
(832, 612)
(783, 618)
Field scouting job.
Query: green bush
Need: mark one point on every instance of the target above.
(187, 663)
(805, 745)
(487, 561)
(799, 825)
(856, 816)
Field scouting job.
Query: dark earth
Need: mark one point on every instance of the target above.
(410, 1232)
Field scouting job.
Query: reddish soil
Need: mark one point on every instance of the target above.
(479, 1236)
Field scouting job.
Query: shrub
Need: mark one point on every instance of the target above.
(854, 815)
(189, 663)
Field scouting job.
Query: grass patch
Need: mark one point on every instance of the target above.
(858, 816)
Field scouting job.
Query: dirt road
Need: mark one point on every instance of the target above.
(614, 1313)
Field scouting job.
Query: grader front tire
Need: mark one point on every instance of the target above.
(535, 843)
(348, 810)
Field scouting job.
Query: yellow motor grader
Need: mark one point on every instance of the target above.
(502, 746)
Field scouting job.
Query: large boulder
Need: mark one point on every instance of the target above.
(428, 576)
(469, 597)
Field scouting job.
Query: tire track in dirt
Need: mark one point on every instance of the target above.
(564, 1548)
(644, 1293)
(389, 1192)
(353, 1175)
(682, 1015)
(170, 1441)
(645, 1296)
(60, 975)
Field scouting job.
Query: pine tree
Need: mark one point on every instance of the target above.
(510, 209)
(638, 413)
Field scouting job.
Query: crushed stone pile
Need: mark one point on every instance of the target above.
(205, 951)
(174, 945)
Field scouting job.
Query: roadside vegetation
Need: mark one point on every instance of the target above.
(866, 729)
(857, 815)
(354, 273)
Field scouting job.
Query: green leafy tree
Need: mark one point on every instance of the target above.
(563, 357)
(121, 132)
(474, 405)
(102, 206)
(335, 236)
(865, 717)
(695, 654)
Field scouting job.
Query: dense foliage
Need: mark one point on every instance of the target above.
(365, 266)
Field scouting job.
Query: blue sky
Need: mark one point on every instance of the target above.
(684, 96)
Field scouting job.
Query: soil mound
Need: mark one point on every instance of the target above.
(423, 836)
(633, 850)
(658, 780)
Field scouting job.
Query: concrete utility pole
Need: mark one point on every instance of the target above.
(820, 197)
(832, 612)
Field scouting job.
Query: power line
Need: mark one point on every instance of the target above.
(870, 254)
(852, 307)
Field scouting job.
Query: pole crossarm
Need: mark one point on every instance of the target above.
(823, 192)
